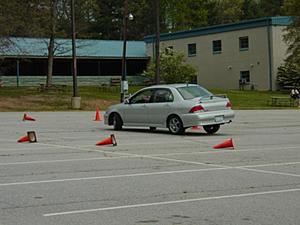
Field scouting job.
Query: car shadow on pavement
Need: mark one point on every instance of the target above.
(188, 132)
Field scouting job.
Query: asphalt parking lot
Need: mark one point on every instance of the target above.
(149, 177)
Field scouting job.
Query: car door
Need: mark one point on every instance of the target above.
(161, 106)
(135, 112)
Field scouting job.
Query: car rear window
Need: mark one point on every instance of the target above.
(190, 92)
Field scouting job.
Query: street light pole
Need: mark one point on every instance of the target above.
(157, 41)
(124, 82)
(75, 99)
(124, 79)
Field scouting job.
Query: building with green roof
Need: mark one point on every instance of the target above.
(97, 61)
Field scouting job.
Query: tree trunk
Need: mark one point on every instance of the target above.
(50, 62)
(51, 43)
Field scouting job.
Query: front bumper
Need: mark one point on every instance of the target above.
(207, 118)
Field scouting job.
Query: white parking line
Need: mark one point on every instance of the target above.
(110, 177)
(65, 160)
(24, 149)
(174, 160)
(171, 202)
(213, 151)
(157, 173)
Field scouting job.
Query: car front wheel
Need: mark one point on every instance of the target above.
(211, 129)
(117, 122)
(175, 125)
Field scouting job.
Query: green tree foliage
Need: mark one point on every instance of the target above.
(289, 72)
(270, 8)
(185, 14)
(173, 68)
(292, 38)
(225, 11)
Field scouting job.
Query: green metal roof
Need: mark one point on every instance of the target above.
(85, 48)
(262, 22)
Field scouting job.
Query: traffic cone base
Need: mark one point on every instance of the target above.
(98, 115)
(226, 144)
(196, 128)
(26, 117)
(31, 136)
(108, 141)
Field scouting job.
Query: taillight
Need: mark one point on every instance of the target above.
(196, 108)
(228, 105)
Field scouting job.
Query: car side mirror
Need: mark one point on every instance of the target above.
(127, 101)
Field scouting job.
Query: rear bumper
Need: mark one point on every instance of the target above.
(207, 118)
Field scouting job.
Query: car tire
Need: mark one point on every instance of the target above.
(175, 125)
(117, 122)
(211, 129)
(152, 128)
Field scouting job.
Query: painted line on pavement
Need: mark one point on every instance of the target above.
(171, 202)
(110, 177)
(65, 160)
(153, 174)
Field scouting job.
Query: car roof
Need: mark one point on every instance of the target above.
(171, 85)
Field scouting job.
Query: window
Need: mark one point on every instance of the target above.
(163, 95)
(217, 46)
(192, 49)
(142, 97)
(244, 77)
(244, 43)
(190, 92)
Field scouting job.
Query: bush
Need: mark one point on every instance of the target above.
(289, 74)
(173, 68)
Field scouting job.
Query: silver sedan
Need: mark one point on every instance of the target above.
(175, 106)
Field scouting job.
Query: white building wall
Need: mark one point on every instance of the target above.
(279, 50)
(223, 70)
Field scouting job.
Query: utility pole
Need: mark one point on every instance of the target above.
(75, 99)
(124, 83)
(157, 41)
(123, 78)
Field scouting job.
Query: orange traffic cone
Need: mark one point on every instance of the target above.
(23, 139)
(98, 115)
(108, 141)
(196, 128)
(226, 144)
(30, 137)
(26, 117)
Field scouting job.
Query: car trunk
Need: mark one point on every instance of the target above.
(212, 103)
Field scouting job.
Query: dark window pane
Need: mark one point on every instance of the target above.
(244, 76)
(217, 46)
(244, 43)
(192, 49)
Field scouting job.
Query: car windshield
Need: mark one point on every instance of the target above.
(190, 92)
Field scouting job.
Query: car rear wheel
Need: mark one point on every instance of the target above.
(117, 122)
(175, 125)
(211, 129)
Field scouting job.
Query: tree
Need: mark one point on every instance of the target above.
(173, 68)
(292, 37)
(185, 14)
(250, 9)
(289, 73)
(225, 11)
(270, 8)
